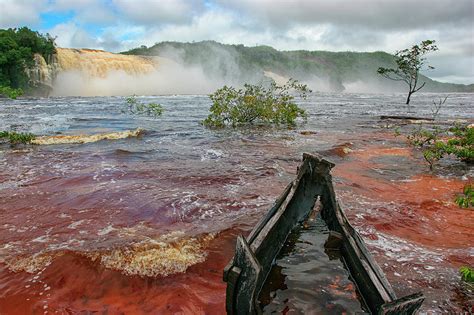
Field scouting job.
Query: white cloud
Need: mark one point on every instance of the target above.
(87, 11)
(154, 12)
(17, 13)
(210, 25)
(70, 35)
(76, 4)
(73, 36)
(385, 14)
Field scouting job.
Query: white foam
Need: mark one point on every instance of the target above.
(106, 230)
(212, 154)
(41, 239)
(75, 224)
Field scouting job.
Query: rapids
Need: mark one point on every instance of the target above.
(146, 224)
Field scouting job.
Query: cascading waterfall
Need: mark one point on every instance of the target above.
(88, 72)
(99, 63)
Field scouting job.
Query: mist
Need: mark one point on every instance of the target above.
(173, 78)
(168, 78)
(198, 70)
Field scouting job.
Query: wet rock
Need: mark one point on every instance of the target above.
(340, 150)
(308, 132)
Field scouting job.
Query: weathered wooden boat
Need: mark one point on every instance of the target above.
(247, 272)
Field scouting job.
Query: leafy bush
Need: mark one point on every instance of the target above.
(421, 137)
(137, 107)
(434, 154)
(16, 138)
(467, 274)
(466, 200)
(256, 104)
(460, 143)
(9, 92)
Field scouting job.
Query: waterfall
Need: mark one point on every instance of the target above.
(99, 63)
(88, 72)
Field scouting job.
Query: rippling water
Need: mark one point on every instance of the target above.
(147, 224)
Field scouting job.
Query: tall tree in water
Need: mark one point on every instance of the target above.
(409, 63)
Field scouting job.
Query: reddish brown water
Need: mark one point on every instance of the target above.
(409, 219)
(146, 225)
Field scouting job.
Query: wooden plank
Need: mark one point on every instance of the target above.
(385, 117)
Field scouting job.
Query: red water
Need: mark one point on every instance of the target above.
(62, 229)
(73, 284)
(409, 218)
(427, 212)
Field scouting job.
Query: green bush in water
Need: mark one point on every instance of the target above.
(137, 107)
(16, 138)
(10, 92)
(467, 274)
(466, 200)
(256, 104)
(460, 143)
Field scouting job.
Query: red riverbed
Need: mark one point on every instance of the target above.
(68, 241)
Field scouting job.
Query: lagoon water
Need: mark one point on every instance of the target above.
(146, 224)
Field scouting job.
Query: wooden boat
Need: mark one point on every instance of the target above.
(247, 272)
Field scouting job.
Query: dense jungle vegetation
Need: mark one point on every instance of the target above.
(17, 49)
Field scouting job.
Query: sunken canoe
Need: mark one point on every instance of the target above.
(254, 256)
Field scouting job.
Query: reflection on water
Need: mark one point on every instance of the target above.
(95, 227)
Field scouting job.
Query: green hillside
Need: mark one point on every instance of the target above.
(323, 70)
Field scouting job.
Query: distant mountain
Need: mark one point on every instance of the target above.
(321, 70)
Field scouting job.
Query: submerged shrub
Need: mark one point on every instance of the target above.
(10, 92)
(466, 200)
(462, 144)
(137, 107)
(15, 138)
(421, 137)
(467, 274)
(256, 104)
(437, 143)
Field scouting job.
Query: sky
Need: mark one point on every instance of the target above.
(334, 25)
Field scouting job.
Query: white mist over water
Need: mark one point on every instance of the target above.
(85, 72)
(168, 78)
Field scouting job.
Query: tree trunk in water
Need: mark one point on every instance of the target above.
(408, 98)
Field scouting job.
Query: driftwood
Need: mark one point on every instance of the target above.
(385, 117)
(247, 271)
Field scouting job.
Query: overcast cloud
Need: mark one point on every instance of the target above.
(336, 25)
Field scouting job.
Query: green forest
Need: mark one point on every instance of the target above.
(17, 49)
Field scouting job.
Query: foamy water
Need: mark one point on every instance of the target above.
(155, 216)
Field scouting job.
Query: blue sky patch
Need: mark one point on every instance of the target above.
(51, 19)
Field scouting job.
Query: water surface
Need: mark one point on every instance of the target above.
(147, 224)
